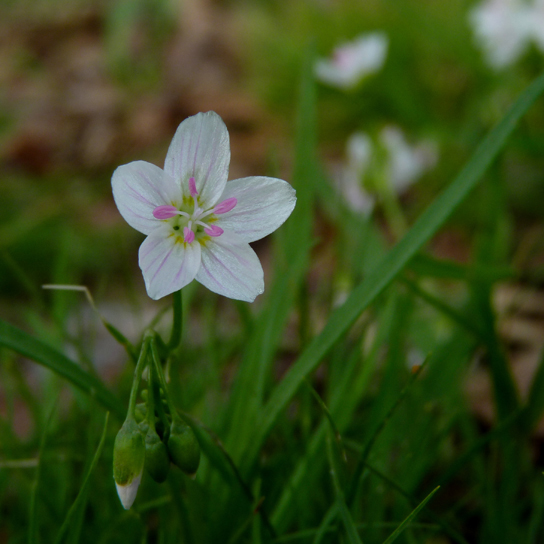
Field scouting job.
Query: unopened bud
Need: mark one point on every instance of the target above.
(183, 447)
(140, 412)
(157, 462)
(128, 461)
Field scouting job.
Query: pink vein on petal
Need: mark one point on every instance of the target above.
(162, 264)
(242, 261)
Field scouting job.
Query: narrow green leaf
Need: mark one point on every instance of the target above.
(33, 505)
(335, 468)
(410, 517)
(368, 447)
(219, 458)
(43, 354)
(392, 263)
(535, 403)
(292, 255)
(79, 503)
(325, 525)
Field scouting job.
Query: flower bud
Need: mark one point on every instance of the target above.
(128, 461)
(140, 412)
(183, 447)
(157, 462)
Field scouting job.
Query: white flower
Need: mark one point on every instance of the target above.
(406, 163)
(504, 29)
(354, 60)
(537, 24)
(198, 225)
(400, 164)
(359, 156)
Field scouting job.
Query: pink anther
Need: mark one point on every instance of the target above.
(225, 206)
(188, 235)
(214, 230)
(165, 212)
(192, 187)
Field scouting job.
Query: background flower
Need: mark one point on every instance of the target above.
(354, 60)
(504, 29)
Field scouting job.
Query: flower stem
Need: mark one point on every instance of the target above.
(177, 325)
(142, 361)
(162, 380)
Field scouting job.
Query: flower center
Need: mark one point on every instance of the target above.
(199, 221)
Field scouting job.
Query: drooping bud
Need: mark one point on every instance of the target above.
(128, 461)
(157, 462)
(183, 447)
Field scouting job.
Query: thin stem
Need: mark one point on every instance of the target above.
(151, 399)
(160, 373)
(175, 338)
(142, 361)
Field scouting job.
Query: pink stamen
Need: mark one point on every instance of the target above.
(165, 212)
(192, 187)
(188, 235)
(225, 206)
(214, 230)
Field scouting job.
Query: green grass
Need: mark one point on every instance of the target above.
(313, 425)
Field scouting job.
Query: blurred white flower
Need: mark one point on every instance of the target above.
(402, 164)
(406, 163)
(354, 60)
(359, 155)
(505, 28)
(537, 24)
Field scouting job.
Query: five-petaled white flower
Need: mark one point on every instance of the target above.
(352, 61)
(198, 225)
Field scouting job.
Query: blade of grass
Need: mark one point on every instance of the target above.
(410, 517)
(368, 447)
(535, 403)
(325, 525)
(292, 254)
(334, 454)
(41, 353)
(218, 456)
(393, 262)
(79, 502)
(33, 506)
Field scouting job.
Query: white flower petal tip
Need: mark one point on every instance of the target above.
(354, 60)
(198, 224)
(127, 493)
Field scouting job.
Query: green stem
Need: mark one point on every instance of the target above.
(151, 399)
(160, 373)
(175, 338)
(142, 361)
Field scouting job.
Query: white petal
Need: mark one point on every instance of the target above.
(231, 268)
(168, 264)
(127, 493)
(138, 188)
(200, 149)
(353, 60)
(263, 205)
